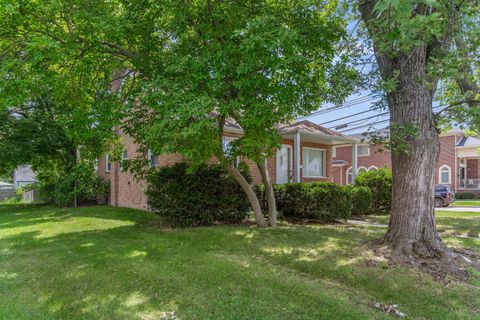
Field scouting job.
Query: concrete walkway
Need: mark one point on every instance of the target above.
(457, 209)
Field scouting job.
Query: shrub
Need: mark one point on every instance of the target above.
(203, 197)
(82, 183)
(323, 202)
(361, 200)
(380, 183)
(465, 195)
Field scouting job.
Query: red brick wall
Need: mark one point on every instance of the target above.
(380, 157)
(447, 157)
(472, 169)
(126, 191)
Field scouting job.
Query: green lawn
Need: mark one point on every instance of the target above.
(110, 263)
(466, 203)
(452, 225)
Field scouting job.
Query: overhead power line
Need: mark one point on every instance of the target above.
(347, 104)
(366, 118)
(375, 123)
(346, 117)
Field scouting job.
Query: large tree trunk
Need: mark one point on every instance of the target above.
(412, 236)
(272, 205)
(412, 230)
(252, 196)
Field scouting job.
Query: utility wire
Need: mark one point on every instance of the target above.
(347, 104)
(375, 123)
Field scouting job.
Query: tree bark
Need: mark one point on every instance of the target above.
(272, 205)
(252, 196)
(412, 235)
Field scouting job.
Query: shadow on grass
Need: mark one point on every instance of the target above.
(127, 270)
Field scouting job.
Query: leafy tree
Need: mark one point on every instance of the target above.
(414, 40)
(258, 64)
(184, 69)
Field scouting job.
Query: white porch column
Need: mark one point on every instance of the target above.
(296, 157)
(354, 162)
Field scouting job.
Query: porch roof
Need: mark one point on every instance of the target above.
(312, 132)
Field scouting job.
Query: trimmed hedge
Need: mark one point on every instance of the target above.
(362, 200)
(380, 183)
(465, 195)
(200, 198)
(322, 202)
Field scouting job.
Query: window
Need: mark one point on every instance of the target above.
(372, 168)
(124, 159)
(334, 152)
(227, 149)
(444, 174)
(152, 159)
(361, 170)
(363, 150)
(95, 165)
(350, 175)
(108, 164)
(313, 163)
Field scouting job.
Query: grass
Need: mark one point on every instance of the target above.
(454, 226)
(111, 263)
(466, 203)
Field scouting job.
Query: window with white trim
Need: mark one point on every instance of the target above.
(372, 168)
(152, 159)
(444, 174)
(108, 164)
(363, 150)
(124, 159)
(313, 163)
(350, 175)
(227, 149)
(361, 170)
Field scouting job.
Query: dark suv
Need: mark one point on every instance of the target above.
(444, 195)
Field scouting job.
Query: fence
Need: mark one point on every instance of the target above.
(7, 193)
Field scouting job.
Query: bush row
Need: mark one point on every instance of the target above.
(205, 196)
(465, 195)
(322, 202)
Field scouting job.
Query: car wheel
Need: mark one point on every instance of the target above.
(446, 205)
(438, 202)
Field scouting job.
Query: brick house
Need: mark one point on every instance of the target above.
(457, 164)
(305, 156)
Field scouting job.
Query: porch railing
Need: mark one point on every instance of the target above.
(469, 184)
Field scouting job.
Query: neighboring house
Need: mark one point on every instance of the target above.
(23, 175)
(457, 164)
(305, 156)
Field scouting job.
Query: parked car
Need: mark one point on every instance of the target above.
(444, 195)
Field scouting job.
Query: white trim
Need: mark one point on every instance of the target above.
(290, 164)
(324, 164)
(449, 174)
(107, 161)
(347, 172)
(372, 168)
(334, 152)
(360, 168)
(368, 149)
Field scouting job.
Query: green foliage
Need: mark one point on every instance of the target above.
(81, 184)
(380, 183)
(305, 200)
(322, 202)
(205, 196)
(465, 195)
(362, 200)
(260, 64)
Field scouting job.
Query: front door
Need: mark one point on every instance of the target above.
(284, 164)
